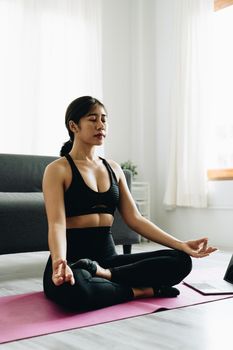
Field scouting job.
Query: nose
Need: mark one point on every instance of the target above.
(100, 125)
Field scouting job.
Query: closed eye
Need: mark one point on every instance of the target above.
(93, 118)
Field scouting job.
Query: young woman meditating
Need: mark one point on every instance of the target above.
(81, 192)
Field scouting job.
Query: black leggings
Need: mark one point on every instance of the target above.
(151, 269)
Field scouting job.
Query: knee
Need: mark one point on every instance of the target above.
(76, 297)
(85, 293)
(186, 262)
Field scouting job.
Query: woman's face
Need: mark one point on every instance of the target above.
(92, 128)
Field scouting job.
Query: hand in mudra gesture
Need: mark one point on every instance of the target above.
(198, 248)
(62, 273)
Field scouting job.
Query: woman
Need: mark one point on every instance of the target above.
(81, 192)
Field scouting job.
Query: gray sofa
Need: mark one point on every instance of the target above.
(23, 223)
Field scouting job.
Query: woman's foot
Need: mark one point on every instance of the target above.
(86, 264)
(166, 292)
(93, 267)
(104, 273)
(162, 292)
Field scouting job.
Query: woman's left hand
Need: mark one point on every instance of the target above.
(198, 248)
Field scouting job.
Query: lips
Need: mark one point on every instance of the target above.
(100, 135)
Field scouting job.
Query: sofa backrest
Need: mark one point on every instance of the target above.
(22, 173)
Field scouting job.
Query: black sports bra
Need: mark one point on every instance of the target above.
(80, 199)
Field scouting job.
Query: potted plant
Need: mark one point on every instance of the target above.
(130, 166)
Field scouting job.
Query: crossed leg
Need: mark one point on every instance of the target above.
(120, 278)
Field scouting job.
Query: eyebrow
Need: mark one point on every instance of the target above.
(96, 114)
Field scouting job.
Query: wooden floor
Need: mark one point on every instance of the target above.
(201, 327)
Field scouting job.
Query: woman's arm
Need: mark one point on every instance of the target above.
(53, 190)
(133, 218)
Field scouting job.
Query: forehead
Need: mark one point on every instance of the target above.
(97, 109)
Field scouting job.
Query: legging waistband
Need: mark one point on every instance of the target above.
(90, 242)
(90, 230)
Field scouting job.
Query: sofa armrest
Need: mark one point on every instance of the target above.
(23, 223)
(122, 233)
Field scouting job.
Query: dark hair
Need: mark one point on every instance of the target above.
(75, 111)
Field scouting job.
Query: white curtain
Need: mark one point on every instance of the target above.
(190, 96)
(50, 54)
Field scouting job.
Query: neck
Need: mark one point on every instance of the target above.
(83, 152)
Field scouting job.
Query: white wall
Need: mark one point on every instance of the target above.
(117, 75)
(129, 84)
(137, 47)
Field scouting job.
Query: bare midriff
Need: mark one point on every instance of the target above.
(89, 220)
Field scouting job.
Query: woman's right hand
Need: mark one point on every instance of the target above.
(62, 273)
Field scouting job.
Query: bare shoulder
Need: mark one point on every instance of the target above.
(57, 168)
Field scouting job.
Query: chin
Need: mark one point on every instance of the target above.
(99, 142)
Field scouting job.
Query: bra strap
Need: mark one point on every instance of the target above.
(72, 164)
(112, 173)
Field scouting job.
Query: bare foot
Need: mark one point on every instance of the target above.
(104, 273)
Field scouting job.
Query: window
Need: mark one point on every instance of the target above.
(220, 152)
(220, 4)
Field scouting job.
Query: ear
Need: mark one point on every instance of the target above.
(73, 126)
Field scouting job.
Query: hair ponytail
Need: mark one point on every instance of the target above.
(66, 148)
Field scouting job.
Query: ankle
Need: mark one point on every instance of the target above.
(143, 292)
(108, 274)
(104, 273)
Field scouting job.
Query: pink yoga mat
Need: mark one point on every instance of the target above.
(29, 315)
